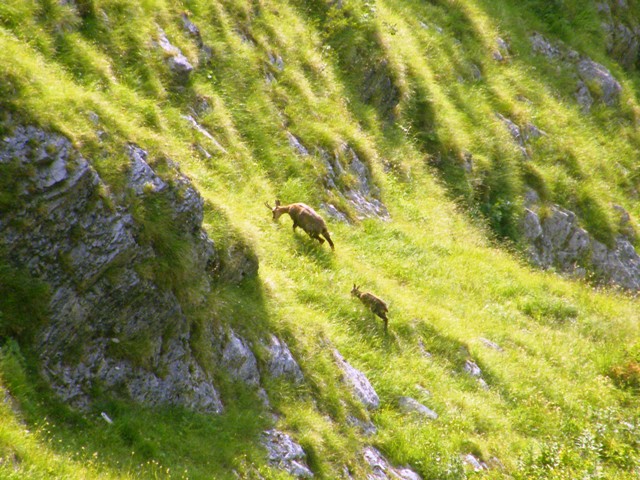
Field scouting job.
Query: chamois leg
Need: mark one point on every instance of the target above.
(386, 321)
(295, 225)
(317, 237)
(325, 234)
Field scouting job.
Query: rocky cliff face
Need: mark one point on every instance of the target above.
(558, 240)
(112, 326)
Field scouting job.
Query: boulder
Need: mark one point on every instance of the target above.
(239, 361)
(502, 50)
(358, 382)
(583, 96)
(175, 59)
(281, 363)
(608, 88)
(381, 469)
(476, 464)
(284, 453)
(365, 426)
(410, 405)
(543, 46)
(473, 370)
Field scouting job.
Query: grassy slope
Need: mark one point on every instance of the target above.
(551, 409)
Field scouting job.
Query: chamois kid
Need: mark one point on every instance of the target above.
(305, 217)
(373, 303)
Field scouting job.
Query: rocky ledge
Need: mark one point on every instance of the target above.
(111, 326)
(557, 240)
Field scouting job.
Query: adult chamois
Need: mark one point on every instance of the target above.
(373, 303)
(305, 217)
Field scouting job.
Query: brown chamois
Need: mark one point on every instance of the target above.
(305, 217)
(373, 303)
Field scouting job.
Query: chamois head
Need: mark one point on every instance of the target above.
(277, 211)
(355, 291)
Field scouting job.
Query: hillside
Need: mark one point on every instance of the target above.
(476, 162)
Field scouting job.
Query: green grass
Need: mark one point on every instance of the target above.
(562, 397)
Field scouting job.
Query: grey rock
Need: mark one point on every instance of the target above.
(264, 397)
(381, 469)
(366, 426)
(239, 361)
(363, 195)
(276, 61)
(583, 97)
(467, 162)
(334, 213)
(423, 350)
(191, 29)
(595, 80)
(559, 241)
(594, 73)
(358, 382)
(201, 106)
(284, 453)
(367, 207)
(93, 116)
(472, 368)
(175, 59)
(493, 345)
(410, 405)
(502, 50)
(543, 46)
(203, 151)
(141, 176)
(532, 227)
(474, 463)
(281, 363)
(204, 132)
(622, 40)
(626, 226)
(104, 319)
(297, 145)
(514, 130)
(502, 44)
(531, 131)
(531, 198)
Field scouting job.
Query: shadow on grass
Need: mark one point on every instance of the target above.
(321, 254)
(140, 442)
